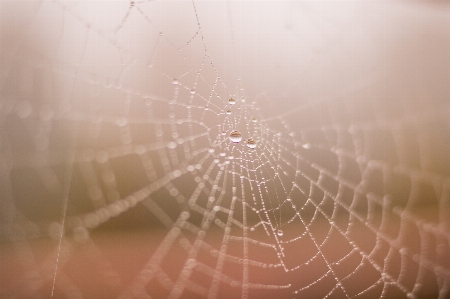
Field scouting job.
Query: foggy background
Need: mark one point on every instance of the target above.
(102, 102)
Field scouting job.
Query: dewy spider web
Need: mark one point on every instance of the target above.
(224, 150)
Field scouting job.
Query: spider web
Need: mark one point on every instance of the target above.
(224, 150)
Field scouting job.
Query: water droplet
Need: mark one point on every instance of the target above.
(175, 82)
(252, 229)
(251, 143)
(235, 136)
(280, 233)
(192, 91)
(231, 101)
(160, 33)
(216, 208)
(191, 263)
(306, 145)
(172, 145)
(228, 112)
(185, 215)
(254, 120)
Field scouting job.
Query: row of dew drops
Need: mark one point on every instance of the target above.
(236, 136)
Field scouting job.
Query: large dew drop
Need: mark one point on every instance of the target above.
(280, 233)
(231, 101)
(235, 136)
(251, 143)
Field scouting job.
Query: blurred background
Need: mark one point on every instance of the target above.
(235, 149)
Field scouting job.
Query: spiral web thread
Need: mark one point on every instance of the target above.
(308, 211)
